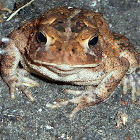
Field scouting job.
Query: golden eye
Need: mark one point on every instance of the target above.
(41, 38)
(93, 41)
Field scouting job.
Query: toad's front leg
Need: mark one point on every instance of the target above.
(115, 70)
(14, 77)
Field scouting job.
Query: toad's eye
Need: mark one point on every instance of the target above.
(41, 38)
(93, 41)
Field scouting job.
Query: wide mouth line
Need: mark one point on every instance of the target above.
(67, 65)
(64, 71)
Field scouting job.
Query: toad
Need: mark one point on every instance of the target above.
(74, 46)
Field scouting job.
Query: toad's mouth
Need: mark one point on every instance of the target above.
(60, 66)
(65, 69)
(66, 66)
(62, 69)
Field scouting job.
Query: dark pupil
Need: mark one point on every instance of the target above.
(93, 41)
(41, 37)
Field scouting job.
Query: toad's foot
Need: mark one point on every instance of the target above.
(19, 80)
(85, 98)
(132, 82)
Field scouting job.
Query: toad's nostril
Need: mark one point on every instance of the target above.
(74, 49)
(59, 49)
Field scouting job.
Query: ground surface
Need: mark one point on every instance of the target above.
(22, 120)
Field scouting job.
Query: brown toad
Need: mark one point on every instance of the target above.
(75, 46)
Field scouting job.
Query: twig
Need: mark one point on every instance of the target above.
(13, 14)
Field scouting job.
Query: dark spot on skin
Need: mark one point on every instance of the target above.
(77, 23)
(60, 28)
(60, 22)
(59, 49)
(73, 29)
(98, 99)
(78, 27)
(109, 90)
(73, 19)
(74, 49)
